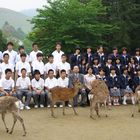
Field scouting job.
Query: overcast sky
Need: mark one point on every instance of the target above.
(19, 5)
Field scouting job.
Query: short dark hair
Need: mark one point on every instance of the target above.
(36, 72)
(8, 70)
(50, 55)
(64, 55)
(59, 43)
(34, 44)
(5, 54)
(50, 70)
(23, 55)
(10, 43)
(39, 54)
(20, 47)
(62, 71)
(23, 69)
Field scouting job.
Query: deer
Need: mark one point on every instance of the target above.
(63, 94)
(11, 104)
(100, 95)
(137, 98)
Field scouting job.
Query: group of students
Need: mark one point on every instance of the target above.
(28, 75)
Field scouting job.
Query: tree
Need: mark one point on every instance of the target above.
(73, 22)
(3, 42)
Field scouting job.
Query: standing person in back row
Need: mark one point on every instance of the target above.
(57, 53)
(11, 52)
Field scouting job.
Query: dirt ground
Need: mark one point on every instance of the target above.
(41, 126)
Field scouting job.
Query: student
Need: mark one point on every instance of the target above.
(83, 66)
(50, 82)
(137, 56)
(38, 64)
(63, 81)
(118, 66)
(23, 64)
(113, 82)
(57, 54)
(6, 65)
(23, 86)
(21, 50)
(96, 66)
(7, 84)
(136, 80)
(101, 75)
(78, 76)
(126, 91)
(50, 65)
(125, 57)
(35, 50)
(12, 53)
(64, 65)
(38, 89)
(108, 65)
(114, 55)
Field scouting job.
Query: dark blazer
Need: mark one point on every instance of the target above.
(124, 81)
(101, 59)
(136, 81)
(89, 59)
(75, 60)
(125, 59)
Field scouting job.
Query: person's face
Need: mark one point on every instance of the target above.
(117, 61)
(115, 51)
(101, 50)
(125, 72)
(109, 61)
(124, 52)
(40, 58)
(88, 50)
(76, 69)
(51, 59)
(95, 61)
(138, 72)
(113, 72)
(35, 47)
(10, 47)
(23, 58)
(83, 61)
(8, 74)
(21, 51)
(37, 76)
(77, 51)
(58, 47)
(63, 74)
(23, 73)
(137, 53)
(6, 58)
(90, 71)
(51, 74)
(63, 58)
(132, 60)
(101, 72)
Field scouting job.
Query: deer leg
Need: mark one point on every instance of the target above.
(92, 104)
(3, 119)
(52, 107)
(17, 116)
(105, 104)
(97, 109)
(64, 108)
(72, 104)
(15, 120)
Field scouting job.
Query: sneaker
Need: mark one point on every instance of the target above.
(124, 103)
(55, 106)
(61, 106)
(21, 108)
(48, 106)
(36, 106)
(69, 105)
(41, 106)
(27, 107)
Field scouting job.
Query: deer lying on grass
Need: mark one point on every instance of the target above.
(60, 94)
(11, 104)
(100, 96)
(137, 98)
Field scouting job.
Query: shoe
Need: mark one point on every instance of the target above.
(36, 106)
(41, 106)
(27, 107)
(48, 106)
(69, 105)
(109, 104)
(117, 104)
(124, 103)
(61, 106)
(21, 108)
(55, 106)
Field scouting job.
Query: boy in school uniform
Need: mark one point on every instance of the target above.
(23, 86)
(7, 86)
(38, 89)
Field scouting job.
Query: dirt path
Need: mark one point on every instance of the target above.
(40, 126)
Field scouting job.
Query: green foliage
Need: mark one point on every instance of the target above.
(3, 42)
(73, 22)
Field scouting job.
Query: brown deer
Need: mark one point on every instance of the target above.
(11, 104)
(100, 96)
(137, 98)
(60, 94)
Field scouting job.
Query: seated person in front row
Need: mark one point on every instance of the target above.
(7, 84)
(38, 89)
(23, 86)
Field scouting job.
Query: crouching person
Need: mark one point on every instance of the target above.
(23, 86)
(38, 89)
(7, 84)
(126, 91)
